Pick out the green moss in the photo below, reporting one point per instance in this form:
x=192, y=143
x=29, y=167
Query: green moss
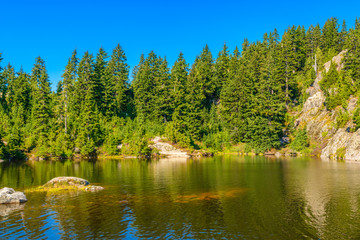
x=340, y=153
x=324, y=134
x=58, y=189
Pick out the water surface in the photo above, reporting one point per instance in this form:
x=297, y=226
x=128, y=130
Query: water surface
x=226, y=197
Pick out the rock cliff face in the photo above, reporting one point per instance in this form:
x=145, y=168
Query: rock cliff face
x=321, y=123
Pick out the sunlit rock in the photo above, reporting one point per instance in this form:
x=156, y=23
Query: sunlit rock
x=69, y=184
x=9, y=195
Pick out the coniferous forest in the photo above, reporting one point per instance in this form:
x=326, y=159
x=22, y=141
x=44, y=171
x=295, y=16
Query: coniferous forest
x=242, y=96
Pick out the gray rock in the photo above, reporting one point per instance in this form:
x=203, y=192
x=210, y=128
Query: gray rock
x=167, y=149
x=9, y=195
x=314, y=103
x=353, y=147
x=352, y=104
x=320, y=125
x=338, y=141
x=63, y=181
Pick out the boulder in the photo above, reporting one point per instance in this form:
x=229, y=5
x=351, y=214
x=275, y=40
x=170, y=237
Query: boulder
x=70, y=183
x=9, y=195
x=66, y=181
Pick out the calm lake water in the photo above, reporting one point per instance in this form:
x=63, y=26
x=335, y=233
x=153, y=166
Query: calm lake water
x=226, y=197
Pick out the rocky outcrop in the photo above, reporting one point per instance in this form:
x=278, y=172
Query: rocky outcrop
x=9, y=195
x=352, y=152
x=321, y=124
x=70, y=183
x=167, y=149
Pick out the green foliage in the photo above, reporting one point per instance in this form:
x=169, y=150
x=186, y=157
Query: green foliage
x=239, y=97
x=342, y=118
x=337, y=87
x=340, y=153
x=3, y=149
x=217, y=141
x=301, y=141
x=356, y=118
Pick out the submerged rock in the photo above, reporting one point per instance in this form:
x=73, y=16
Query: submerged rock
x=9, y=195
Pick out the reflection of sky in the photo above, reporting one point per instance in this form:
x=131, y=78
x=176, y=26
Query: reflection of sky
x=52, y=228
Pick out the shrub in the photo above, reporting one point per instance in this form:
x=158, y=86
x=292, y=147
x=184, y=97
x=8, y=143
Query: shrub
x=342, y=118
x=301, y=141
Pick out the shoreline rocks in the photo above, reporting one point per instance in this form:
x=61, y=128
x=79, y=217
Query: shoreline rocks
x=167, y=149
x=9, y=195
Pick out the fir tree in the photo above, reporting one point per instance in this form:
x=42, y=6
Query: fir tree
x=67, y=94
x=100, y=66
x=221, y=74
x=41, y=112
x=116, y=79
x=330, y=35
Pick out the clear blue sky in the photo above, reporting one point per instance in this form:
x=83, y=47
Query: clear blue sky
x=52, y=29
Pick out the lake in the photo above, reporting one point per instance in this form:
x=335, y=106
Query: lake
x=224, y=197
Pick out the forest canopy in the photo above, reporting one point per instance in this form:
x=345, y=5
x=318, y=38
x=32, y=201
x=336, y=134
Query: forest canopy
x=243, y=96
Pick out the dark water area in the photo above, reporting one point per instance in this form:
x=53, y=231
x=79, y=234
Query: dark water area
x=225, y=197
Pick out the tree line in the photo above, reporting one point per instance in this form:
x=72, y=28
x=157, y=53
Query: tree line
x=243, y=96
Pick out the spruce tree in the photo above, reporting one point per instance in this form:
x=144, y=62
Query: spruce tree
x=145, y=88
x=8, y=77
x=221, y=73
x=115, y=81
x=233, y=99
x=202, y=77
x=67, y=94
x=163, y=88
x=100, y=66
x=179, y=74
x=41, y=112
x=330, y=35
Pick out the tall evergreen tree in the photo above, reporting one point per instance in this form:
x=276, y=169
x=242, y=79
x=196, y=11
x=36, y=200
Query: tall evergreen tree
x=163, y=87
x=145, y=87
x=179, y=74
x=202, y=77
x=41, y=112
x=221, y=74
x=68, y=93
x=115, y=80
x=100, y=66
x=330, y=35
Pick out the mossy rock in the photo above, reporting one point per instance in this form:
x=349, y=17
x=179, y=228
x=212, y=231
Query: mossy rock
x=67, y=184
x=66, y=181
